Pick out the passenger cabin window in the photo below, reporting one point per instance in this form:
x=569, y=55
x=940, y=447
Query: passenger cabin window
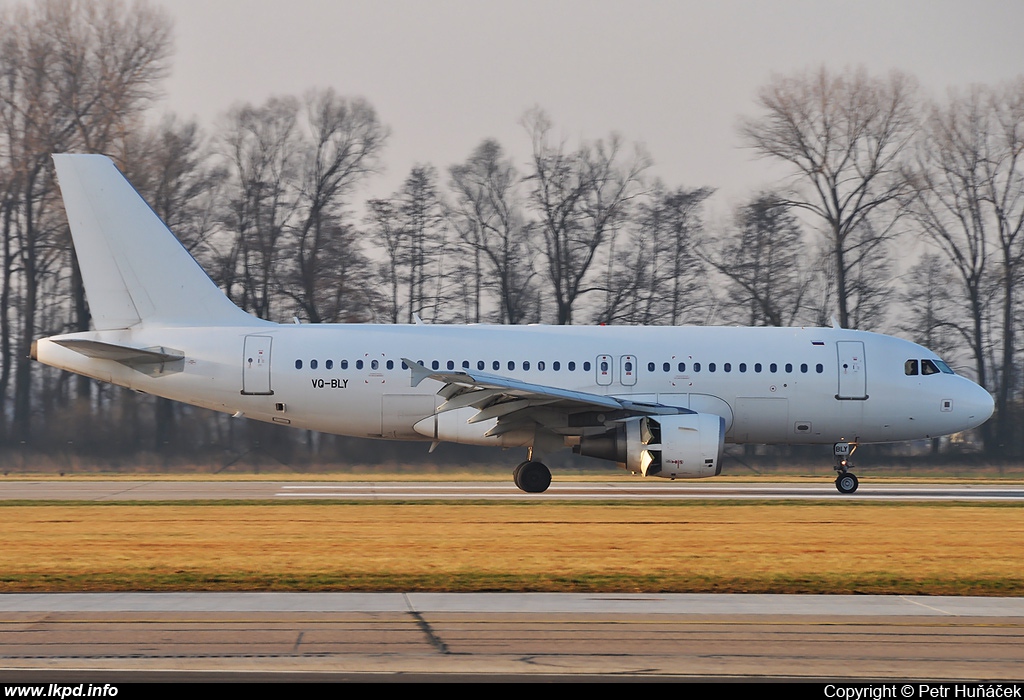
x=312, y=364
x=910, y=368
x=329, y=364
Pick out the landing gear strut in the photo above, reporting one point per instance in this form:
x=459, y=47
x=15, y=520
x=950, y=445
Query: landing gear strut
x=532, y=477
x=847, y=481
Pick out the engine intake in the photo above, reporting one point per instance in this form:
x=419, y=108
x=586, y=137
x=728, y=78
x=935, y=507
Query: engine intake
x=686, y=446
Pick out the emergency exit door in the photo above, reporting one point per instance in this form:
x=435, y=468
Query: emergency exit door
x=852, y=370
x=256, y=365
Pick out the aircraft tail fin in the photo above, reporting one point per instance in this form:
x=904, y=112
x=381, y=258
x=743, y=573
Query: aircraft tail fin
x=133, y=267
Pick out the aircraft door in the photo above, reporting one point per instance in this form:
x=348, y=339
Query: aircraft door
x=852, y=370
x=256, y=365
x=627, y=370
x=603, y=367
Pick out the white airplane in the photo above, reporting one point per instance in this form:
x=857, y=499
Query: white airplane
x=659, y=401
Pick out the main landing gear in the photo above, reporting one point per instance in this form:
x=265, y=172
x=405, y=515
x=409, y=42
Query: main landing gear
x=532, y=477
x=847, y=481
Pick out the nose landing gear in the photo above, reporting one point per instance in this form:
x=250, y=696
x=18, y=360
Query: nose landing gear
x=846, y=481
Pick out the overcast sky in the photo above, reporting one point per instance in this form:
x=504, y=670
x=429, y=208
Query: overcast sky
x=672, y=74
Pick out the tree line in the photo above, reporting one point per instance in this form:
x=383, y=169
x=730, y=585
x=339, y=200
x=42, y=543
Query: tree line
x=900, y=214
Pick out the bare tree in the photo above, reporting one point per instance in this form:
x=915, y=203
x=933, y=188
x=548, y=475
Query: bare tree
x=172, y=166
x=262, y=146
x=487, y=215
x=411, y=228
x=74, y=75
x=762, y=258
x=675, y=225
x=386, y=227
x=581, y=198
x=931, y=304
x=970, y=205
x=344, y=142
x=654, y=275
x=845, y=137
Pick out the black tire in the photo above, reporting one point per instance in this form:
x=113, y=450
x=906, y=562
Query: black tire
x=516, y=472
x=847, y=483
x=534, y=477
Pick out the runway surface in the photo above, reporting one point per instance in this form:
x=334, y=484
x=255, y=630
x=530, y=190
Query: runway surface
x=510, y=636
x=292, y=637
x=463, y=490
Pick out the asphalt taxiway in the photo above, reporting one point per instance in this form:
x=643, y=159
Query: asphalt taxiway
x=514, y=636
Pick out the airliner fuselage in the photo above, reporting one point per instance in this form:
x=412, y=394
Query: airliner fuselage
x=771, y=385
x=659, y=401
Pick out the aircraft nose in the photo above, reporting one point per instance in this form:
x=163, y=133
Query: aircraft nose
x=978, y=405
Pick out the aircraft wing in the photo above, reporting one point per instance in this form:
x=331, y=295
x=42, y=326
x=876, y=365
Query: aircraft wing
x=515, y=403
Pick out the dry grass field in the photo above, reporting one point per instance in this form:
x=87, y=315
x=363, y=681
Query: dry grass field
x=960, y=549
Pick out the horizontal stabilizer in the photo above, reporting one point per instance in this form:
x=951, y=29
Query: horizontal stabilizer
x=125, y=354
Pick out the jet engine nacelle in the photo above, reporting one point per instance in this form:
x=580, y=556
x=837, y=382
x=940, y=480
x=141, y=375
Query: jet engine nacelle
x=686, y=446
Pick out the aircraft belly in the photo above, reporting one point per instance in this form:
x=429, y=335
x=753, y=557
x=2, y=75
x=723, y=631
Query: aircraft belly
x=761, y=420
x=401, y=412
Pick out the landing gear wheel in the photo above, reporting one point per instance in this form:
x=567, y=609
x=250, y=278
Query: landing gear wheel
x=847, y=482
x=532, y=477
x=516, y=472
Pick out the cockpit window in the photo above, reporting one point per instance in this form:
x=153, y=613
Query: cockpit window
x=943, y=367
x=928, y=367
x=910, y=368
